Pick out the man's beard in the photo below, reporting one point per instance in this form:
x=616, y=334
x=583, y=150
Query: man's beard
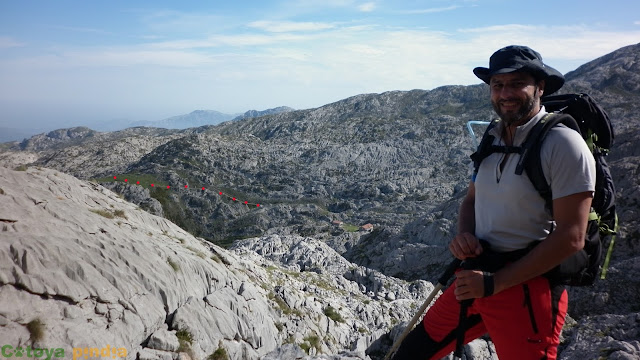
x=515, y=117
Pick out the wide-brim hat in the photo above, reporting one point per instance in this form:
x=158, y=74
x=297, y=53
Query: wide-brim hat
x=521, y=58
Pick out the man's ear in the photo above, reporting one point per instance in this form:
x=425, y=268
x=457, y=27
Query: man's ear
x=541, y=85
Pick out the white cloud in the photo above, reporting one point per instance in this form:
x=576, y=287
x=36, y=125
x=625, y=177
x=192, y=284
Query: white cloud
x=430, y=10
x=238, y=40
x=367, y=7
x=8, y=42
x=509, y=28
x=82, y=30
x=290, y=26
x=299, y=64
x=567, y=43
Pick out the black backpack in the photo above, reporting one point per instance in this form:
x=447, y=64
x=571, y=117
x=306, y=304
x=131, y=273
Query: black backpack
x=580, y=113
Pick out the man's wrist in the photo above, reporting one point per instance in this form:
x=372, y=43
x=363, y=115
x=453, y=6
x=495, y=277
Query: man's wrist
x=489, y=283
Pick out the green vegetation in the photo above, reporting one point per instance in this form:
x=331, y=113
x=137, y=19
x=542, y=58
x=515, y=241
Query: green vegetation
x=197, y=252
x=175, y=210
x=219, y=354
x=21, y=168
x=186, y=340
x=1, y=191
x=109, y=214
x=184, y=335
x=286, y=309
x=36, y=330
x=311, y=341
x=119, y=213
x=333, y=314
x=105, y=213
x=350, y=228
x=283, y=306
x=145, y=180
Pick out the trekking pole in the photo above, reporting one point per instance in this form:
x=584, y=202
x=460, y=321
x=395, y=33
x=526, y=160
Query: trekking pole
x=442, y=282
x=462, y=327
x=462, y=320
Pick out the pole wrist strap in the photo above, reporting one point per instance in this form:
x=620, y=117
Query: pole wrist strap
x=488, y=283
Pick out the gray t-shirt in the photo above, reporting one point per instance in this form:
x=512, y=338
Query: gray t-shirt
x=509, y=211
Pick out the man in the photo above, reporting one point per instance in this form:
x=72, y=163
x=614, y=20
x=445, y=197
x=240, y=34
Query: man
x=522, y=311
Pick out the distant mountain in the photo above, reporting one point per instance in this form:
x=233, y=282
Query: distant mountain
x=193, y=119
x=255, y=113
x=206, y=117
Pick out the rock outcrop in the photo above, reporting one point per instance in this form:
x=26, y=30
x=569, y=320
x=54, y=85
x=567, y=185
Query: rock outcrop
x=82, y=268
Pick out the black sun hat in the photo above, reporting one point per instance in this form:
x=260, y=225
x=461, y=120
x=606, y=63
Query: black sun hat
x=521, y=58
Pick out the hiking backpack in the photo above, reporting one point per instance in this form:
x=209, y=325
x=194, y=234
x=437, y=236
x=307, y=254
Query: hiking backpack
x=582, y=114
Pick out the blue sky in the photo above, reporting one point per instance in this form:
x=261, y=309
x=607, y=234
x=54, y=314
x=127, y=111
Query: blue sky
x=67, y=63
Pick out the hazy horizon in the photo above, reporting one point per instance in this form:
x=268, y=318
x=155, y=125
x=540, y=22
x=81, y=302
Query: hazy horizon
x=77, y=63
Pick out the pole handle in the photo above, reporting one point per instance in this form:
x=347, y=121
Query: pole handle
x=448, y=273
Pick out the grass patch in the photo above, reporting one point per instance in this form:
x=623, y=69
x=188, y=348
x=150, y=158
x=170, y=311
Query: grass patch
x=145, y=180
x=197, y=252
x=21, y=168
x=286, y=309
x=109, y=214
x=311, y=341
x=1, y=191
x=36, y=330
x=104, y=213
x=350, y=228
x=186, y=340
x=184, y=335
x=333, y=314
x=174, y=265
x=219, y=354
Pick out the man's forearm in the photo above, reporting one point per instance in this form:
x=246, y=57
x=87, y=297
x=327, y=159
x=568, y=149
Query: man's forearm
x=541, y=259
x=571, y=214
x=466, y=213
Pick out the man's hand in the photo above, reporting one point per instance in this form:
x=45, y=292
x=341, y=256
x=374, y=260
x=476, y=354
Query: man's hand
x=464, y=246
x=469, y=285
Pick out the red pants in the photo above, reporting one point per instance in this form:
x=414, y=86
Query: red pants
x=524, y=322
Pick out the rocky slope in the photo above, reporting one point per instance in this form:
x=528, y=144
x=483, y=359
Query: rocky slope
x=80, y=267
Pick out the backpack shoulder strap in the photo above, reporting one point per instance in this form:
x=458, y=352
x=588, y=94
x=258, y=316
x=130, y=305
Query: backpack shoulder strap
x=485, y=147
x=530, y=159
